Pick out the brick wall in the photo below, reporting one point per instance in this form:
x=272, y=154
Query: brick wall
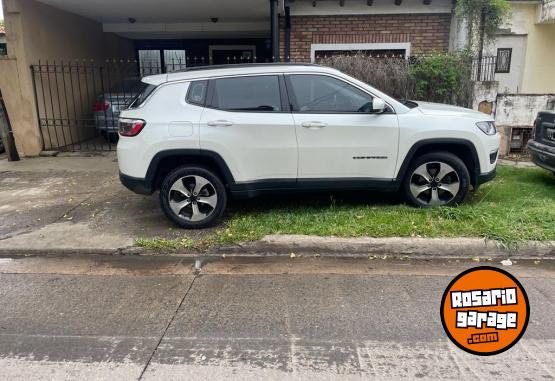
x=425, y=32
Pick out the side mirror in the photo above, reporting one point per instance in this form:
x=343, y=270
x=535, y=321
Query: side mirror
x=378, y=105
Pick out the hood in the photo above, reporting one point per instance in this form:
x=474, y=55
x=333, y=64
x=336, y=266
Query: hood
x=428, y=108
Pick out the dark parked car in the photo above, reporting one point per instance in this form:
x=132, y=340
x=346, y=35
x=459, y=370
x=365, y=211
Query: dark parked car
x=542, y=144
x=108, y=105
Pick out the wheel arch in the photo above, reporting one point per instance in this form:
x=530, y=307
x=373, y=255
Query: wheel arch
x=462, y=148
x=165, y=161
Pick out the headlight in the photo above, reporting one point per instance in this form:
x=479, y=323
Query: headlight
x=487, y=127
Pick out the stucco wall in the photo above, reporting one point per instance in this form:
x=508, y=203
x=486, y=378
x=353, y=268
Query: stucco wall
x=510, y=82
x=519, y=110
x=37, y=31
x=539, y=70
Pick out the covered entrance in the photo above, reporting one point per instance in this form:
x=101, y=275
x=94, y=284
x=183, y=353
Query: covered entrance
x=79, y=95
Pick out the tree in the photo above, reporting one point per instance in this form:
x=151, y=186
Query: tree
x=484, y=18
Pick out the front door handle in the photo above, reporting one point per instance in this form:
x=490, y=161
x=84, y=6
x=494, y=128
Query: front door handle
x=219, y=123
x=313, y=125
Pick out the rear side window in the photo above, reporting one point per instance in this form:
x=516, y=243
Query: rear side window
x=145, y=91
x=256, y=94
x=197, y=92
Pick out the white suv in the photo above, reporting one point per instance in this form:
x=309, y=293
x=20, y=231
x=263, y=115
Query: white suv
x=203, y=134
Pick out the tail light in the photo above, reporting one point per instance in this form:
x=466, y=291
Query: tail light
x=131, y=127
x=101, y=106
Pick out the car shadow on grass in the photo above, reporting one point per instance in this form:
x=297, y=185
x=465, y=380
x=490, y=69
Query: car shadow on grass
x=314, y=200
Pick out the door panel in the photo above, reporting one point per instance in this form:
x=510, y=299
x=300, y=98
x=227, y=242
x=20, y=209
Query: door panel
x=256, y=144
x=337, y=133
x=362, y=146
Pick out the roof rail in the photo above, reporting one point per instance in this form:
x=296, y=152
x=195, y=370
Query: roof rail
x=236, y=66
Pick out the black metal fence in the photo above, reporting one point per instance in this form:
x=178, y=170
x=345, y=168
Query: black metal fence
x=70, y=102
x=78, y=102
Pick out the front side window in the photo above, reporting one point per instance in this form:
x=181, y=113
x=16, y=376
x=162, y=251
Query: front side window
x=323, y=94
x=258, y=94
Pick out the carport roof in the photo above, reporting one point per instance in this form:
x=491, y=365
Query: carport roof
x=174, y=18
x=166, y=11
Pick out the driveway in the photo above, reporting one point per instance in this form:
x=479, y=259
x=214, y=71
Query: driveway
x=75, y=202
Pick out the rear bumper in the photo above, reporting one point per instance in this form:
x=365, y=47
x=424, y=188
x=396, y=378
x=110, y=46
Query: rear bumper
x=485, y=177
x=542, y=155
x=140, y=186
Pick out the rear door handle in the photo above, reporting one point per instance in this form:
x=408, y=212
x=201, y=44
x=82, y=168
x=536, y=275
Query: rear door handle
x=219, y=123
x=313, y=125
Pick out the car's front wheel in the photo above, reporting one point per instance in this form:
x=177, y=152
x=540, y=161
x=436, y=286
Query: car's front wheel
x=193, y=197
x=436, y=179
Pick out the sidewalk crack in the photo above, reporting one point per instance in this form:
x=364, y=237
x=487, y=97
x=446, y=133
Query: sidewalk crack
x=166, y=329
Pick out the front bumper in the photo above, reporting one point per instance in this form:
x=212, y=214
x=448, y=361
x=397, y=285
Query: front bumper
x=485, y=177
x=542, y=155
x=140, y=186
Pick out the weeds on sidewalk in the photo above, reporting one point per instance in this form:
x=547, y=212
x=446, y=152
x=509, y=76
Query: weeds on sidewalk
x=158, y=243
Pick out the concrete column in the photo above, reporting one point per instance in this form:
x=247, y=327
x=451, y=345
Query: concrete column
x=16, y=85
x=274, y=22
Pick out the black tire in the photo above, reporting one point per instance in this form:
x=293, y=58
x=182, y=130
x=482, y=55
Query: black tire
x=187, y=172
x=434, y=160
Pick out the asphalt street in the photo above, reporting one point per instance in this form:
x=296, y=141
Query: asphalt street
x=152, y=318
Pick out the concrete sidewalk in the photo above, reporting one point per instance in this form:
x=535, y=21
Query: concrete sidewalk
x=76, y=204
x=73, y=202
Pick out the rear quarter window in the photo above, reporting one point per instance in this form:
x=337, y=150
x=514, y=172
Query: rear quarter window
x=197, y=93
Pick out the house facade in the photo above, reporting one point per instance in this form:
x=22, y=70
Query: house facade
x=59, y=50
x=525, y=49
x=523, y=80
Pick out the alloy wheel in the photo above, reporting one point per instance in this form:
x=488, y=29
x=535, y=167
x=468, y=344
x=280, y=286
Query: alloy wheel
x=193, y=198
x=434, y=183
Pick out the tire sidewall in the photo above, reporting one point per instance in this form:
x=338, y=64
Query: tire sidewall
x=443, y=157
x=180, y=172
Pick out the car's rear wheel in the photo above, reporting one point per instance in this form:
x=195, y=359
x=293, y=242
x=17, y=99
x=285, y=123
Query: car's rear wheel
x=436, y=179
x=193, y=197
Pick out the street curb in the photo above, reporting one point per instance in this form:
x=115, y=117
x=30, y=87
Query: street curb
x=400, y=247
x=299, y=245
